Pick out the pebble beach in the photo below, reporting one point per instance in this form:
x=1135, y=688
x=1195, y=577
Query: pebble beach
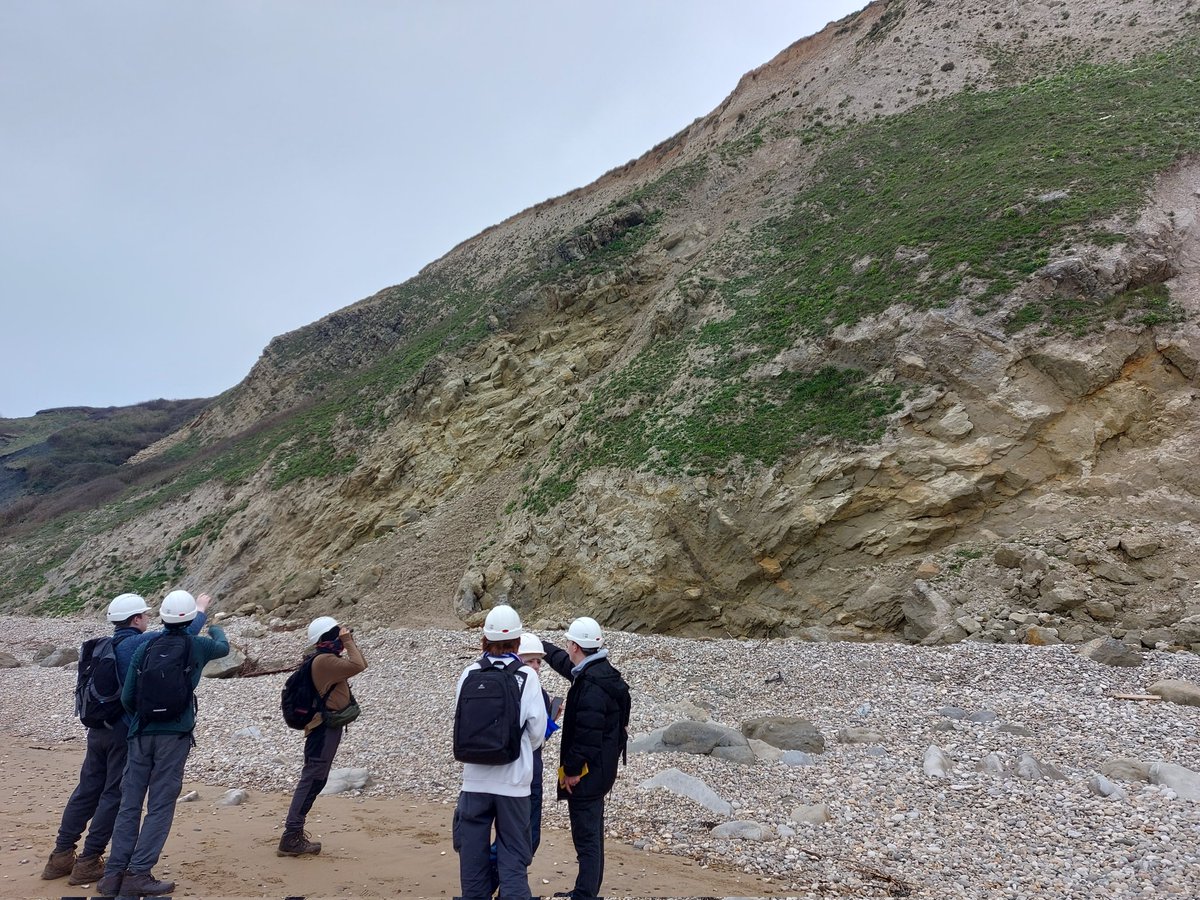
x=967, y=770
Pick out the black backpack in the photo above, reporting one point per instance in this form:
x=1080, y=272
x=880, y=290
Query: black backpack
x=164, y=685
x=487, y=719
x=98, y=684
x=300, y=699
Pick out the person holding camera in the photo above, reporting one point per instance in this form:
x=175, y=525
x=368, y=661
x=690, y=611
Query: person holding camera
x=331, y=674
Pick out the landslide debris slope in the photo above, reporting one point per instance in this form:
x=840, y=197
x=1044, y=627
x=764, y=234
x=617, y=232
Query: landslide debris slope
x=901, y=340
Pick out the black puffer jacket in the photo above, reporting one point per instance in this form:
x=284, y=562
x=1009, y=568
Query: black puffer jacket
x=595, y=723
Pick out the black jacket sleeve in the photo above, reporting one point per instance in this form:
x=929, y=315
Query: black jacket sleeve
x=558, y=659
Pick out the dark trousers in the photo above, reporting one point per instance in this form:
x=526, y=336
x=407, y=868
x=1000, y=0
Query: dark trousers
x=320, y=747
x=535, y=819
x=154, y=774
x=587, y=833
x=535, y=813
x=472, y=837
x=97, y=797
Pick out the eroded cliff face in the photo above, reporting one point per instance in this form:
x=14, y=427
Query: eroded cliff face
x=1001, y=442
x=1027, y=480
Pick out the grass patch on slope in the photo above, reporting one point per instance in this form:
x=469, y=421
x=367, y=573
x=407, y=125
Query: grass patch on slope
x=944, y=202
x=963, y=197
x=1148, y=305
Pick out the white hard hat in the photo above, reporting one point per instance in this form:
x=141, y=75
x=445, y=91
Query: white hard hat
x=531, y=645
x=319, y=626
x=125, y=606
x=502, y=624
x=177, y=607
x=585, y=631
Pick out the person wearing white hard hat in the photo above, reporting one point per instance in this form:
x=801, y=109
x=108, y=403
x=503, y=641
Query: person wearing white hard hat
x=496, y=793
x=159, y=695
x=331, y=673
x=595, y=730
x=532, y=653
x=97, y=796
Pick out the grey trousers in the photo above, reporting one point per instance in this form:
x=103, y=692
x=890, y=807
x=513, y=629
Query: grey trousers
x=472, y=837
x=98, y=795
x=154, y=774
x=320, y=747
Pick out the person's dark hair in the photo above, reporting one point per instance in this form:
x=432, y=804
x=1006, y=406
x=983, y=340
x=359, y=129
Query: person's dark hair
x=587, y=651
x=331, y=634
x=128, y=623
x=177, y=626
x=499, y=648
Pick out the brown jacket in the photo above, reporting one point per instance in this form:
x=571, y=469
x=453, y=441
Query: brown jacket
x=328, y=670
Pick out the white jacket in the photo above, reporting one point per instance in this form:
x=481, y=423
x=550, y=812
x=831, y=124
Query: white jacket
x=512, y=779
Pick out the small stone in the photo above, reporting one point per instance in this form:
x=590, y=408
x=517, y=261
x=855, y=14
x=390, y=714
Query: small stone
x=233, y=797
x=936, y=763
x=817, y=814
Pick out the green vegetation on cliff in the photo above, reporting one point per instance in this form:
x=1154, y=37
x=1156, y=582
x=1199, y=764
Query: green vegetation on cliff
x=960, y=199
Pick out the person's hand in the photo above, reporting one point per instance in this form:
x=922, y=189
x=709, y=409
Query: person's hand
x=202, y=602
x=344, y=632
x=569, y=781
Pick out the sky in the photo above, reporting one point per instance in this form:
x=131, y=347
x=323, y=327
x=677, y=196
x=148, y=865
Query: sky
x=182, y=181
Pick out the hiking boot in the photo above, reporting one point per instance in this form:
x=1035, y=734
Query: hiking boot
x=59, y=864
x=144, y=884
x=110, y=884
x=87, y=869
x=296, y=843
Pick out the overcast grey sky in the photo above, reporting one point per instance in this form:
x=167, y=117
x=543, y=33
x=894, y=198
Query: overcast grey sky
x=181, y=181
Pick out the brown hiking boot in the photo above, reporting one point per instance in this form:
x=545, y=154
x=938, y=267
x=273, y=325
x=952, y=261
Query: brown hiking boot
x=87, y=869
x=144, y=884
x=60, y=863
x=296, y=843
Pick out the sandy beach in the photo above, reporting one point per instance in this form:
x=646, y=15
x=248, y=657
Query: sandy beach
x=373, y=847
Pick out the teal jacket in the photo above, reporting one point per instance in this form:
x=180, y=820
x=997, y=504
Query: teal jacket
x=204, y=649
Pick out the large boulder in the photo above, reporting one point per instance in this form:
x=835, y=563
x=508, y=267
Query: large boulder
x=8, y=661
x=1110, y=652
x=786, y=733
x=1184, y=782
x=880, y=605
x=742, y=830
x=1126, y=769
x=926, y=611
x=700, y=737
x=60, y=657
x=1187, y=631
x=1176, y=690
x=686, y=786
x=936, y=763
x=227, y=666
x=341, y=780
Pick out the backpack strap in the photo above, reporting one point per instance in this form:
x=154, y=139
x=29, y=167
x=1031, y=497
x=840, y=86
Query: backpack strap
x=116, y=642
x=513, y=666
x=321, y=698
